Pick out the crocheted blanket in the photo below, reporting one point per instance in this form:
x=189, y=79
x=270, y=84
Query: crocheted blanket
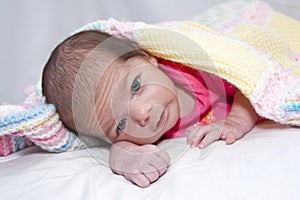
x=247, y=43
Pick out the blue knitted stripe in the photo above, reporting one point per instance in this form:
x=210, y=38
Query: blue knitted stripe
x=16, y=119
x=19, y=143
x=292, y=106
x=66, y=146
x=97, y=25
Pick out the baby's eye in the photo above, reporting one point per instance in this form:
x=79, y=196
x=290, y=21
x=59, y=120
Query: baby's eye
x=121, y=125
x=136, y=86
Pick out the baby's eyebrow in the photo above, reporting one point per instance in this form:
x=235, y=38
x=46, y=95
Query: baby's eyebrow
x=126, y=84
x=124, y=80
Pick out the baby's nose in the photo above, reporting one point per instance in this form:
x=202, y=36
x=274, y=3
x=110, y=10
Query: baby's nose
x=140, y=112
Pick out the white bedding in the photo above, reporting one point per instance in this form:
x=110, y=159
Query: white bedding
x=263, y=165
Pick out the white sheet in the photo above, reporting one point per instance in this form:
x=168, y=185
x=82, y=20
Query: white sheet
x=263, y=165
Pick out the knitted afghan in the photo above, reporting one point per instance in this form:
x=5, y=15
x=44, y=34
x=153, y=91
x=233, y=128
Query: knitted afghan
x=34, y=122
x=247, y=43
x=259, y=56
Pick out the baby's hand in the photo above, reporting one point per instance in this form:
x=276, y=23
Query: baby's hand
x=140, y=164
x=229, y=130
x=239, y=121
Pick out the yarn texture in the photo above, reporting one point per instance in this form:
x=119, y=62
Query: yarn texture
x=247, y=43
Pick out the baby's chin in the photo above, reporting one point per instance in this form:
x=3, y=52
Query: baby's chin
x=139, y=141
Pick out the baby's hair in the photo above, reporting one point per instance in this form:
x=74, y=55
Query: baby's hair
x=64, y=63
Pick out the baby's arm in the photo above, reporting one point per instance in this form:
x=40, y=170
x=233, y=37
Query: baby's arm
x=140, y=164
x=240, y=120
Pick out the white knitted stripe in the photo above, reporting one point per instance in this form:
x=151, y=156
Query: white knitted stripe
x=10, y=109
x=278, y=91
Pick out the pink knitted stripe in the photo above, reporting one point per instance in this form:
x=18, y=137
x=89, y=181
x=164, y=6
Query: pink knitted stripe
x=18, y=133
x=6, y=147
x=54, y=139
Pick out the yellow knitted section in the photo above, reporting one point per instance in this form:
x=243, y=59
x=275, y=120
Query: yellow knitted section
x=196, y=46
x=289, y=29
x=192, y=26
x=267, y=41
x=286, y=26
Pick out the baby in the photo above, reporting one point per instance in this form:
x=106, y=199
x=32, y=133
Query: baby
x=109, y=88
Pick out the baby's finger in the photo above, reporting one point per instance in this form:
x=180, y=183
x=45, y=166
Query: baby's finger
x=138, y=179
x=164, y=158
x=198, y=136
x=209, y=138
x=189, y=138
x=160, y=165
x=191, y=134
x=162, y=170
x=230, y=138
x=196, y=140
x=150, y=173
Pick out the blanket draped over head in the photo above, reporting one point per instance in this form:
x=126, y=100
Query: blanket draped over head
x=247, y=43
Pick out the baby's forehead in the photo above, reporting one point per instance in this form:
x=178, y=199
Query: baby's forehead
x=113, y=74
x=108, y=83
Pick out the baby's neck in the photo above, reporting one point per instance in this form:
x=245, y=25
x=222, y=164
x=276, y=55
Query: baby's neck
x=186, y=100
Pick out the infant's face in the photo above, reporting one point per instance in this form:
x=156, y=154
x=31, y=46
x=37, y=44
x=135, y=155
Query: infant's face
x=140, y=102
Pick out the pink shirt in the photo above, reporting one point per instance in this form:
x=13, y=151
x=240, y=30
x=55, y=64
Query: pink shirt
x=214, y=96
